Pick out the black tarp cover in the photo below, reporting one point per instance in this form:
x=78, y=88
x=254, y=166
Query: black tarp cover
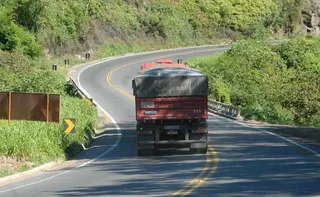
x=170, y=81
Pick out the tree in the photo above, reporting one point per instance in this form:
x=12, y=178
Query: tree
x=14, y=37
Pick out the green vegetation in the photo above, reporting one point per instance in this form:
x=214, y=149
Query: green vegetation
x=15, y=166
x=278, y=84
x=34, y=34
x=67, y=27
x=39, y=142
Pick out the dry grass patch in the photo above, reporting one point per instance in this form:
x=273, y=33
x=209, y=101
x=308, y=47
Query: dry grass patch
x=12, y=165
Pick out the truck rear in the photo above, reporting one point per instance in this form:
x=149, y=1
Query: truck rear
x=171, y=109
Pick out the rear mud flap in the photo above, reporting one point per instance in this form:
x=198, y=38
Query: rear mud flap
x=202, y=137
x=145, y=138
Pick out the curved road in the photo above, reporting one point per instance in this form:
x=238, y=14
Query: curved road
x=242, y=161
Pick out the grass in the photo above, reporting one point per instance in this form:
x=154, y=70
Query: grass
x=13, y=168
x=261, y=81
x=5, y=172
x=40, y=142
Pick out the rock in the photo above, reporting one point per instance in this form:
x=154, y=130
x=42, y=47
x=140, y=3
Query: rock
x=311, y=18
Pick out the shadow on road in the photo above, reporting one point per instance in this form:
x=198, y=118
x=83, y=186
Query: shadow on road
x=251, y=163
x=128, y=174
x=254, y=163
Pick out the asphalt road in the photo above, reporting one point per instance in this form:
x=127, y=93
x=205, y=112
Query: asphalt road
x=242, y=161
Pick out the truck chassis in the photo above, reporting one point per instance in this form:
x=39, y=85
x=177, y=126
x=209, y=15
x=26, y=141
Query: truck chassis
x=155, y=135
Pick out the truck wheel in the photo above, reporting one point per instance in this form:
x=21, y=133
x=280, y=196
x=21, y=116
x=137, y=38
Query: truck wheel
x=203, y=150
x=142, y=153
x=199, y=150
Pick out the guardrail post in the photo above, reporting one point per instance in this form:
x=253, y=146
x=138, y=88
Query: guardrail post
x=88, y=56
x=238, y=112
x=54, y=67
x=66, y=62
x=224, y=109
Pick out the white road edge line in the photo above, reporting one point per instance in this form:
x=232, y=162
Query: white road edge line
x=104, y=111
x=271, y=133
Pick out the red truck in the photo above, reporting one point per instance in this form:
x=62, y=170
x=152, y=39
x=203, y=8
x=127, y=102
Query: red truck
x=164, y=62
x=171, y=107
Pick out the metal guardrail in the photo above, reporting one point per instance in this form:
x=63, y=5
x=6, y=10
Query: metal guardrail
x=224, y=109
x=76, y=90
x=213, y=106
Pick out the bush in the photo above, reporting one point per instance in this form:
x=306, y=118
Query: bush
x=294, y=51
x=14, y=37
x=254, y=111
x=280, y=114
x=21, y=74
x=34, y=141
x=264, y=81
x=272, y=114
x=257, y=32
x=220, y=91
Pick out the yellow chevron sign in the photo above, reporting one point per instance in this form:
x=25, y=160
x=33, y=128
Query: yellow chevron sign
x=69, y=125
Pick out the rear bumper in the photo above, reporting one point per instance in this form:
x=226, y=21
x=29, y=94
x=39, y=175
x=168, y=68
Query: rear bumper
x=171, y=142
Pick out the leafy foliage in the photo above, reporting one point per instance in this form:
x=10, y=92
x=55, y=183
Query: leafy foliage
x=28, y=24
x=276, y=84
x=14, y=37
x=40, y=142
x=21, y=74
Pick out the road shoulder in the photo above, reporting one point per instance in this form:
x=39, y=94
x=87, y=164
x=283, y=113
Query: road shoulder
x=103, y=122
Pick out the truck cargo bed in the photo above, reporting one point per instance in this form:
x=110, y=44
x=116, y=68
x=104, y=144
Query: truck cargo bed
x=171, y=108
x=172, y=81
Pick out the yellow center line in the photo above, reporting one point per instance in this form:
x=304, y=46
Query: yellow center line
x=114, y=86
x=198, y=179
x=109, y=76
x=213, y=170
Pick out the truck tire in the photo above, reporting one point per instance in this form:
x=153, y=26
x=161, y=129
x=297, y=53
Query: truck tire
x=142, y=153
x=199, y=150
x=203, y=150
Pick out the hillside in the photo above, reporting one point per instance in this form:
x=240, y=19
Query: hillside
x=36, y=27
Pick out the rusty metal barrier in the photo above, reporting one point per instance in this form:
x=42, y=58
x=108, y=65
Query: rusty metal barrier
x=54, y=107
x=30, y=106
x=4, y=105
x=223, y=109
